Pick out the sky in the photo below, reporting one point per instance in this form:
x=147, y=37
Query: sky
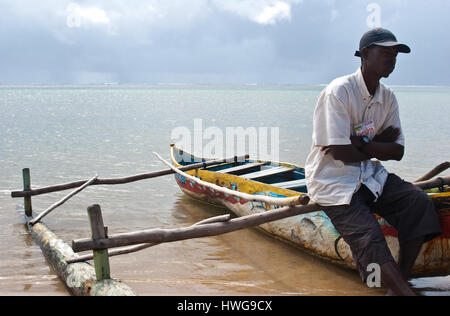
x=214, y=41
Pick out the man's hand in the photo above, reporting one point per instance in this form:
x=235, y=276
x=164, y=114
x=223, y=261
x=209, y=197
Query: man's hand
x=389, y=135
x=325, y=149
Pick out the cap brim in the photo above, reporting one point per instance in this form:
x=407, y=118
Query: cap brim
x=402, y=48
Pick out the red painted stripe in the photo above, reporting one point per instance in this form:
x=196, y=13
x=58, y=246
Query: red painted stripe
x=389, y=231
x=444, y=220
x=196, y=188
x=445, y=225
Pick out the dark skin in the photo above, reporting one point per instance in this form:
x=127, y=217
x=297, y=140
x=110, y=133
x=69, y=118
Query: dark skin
x=377, y=63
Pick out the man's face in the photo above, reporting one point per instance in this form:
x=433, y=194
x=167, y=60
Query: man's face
x=381, y=60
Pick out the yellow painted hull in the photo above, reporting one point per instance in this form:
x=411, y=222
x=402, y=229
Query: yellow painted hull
x=313, y=233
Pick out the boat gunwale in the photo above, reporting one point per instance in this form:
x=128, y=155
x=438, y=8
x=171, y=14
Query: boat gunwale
x=228, y=177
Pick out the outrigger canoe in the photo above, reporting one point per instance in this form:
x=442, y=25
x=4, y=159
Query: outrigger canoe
x=313, y=233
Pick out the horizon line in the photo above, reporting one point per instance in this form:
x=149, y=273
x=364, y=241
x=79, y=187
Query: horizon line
x=174, y=84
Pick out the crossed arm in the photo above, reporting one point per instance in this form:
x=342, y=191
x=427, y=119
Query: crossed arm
x=383, y=147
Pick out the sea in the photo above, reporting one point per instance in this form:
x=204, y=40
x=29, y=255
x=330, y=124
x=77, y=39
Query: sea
x=68, y=133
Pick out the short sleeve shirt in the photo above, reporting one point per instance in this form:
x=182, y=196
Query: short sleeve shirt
x=345, y=108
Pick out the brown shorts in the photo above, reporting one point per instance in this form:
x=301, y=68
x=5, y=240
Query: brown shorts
x=407, y=208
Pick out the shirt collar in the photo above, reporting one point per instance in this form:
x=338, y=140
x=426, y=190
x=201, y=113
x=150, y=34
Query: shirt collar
x=363, y=88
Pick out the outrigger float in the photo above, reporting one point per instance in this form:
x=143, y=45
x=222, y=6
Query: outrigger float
x=312, y=232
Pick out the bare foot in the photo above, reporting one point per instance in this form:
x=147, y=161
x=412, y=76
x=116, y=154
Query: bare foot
x=390, y=293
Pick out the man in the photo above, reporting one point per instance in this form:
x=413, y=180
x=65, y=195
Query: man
x=356, y=120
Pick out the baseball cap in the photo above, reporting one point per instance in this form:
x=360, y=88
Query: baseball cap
x=381, y=37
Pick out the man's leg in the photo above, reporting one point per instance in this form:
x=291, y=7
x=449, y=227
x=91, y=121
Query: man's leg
x=412, y=213
x=392, y=277
x=408, y=255
x=361, y=231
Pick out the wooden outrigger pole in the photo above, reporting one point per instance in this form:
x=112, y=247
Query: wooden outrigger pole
x=207, y=230
x=28, y=192
x=82, y=279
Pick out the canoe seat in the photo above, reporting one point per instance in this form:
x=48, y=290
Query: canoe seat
x=290, y=184
x=266, y=173
x=242, y=167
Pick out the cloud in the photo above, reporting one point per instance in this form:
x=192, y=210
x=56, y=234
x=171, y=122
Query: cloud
x=78, y=15
x=119, y=17
x=174, y=13
x=214, y=41
x=259, y=11
x=271, y=14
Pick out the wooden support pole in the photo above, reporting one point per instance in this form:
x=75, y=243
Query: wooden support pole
x=139, y=177
x=433, y=183
x=61, y=202
x=27, y=187
x=133, y=249
x=206, y=230
x=101, y=260
x=434, y=172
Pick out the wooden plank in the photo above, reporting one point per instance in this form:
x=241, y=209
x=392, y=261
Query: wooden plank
x=290, y=184
x=139, y=177
x=207, y=230
x=242, y=167
x=266, y=173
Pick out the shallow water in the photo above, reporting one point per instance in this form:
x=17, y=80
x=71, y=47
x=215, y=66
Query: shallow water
x=71, y=133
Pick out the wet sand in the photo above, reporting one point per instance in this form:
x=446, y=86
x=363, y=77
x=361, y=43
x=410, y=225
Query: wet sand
x=247, y=262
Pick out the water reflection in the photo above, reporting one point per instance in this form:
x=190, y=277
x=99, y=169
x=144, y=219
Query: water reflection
x=246, y=262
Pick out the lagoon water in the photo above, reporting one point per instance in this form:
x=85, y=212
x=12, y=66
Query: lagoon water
x=68, y=133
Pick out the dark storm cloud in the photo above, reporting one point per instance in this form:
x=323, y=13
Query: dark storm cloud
x=216, y=41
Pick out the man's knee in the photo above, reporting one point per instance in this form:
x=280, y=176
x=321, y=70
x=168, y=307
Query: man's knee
x=422, y=202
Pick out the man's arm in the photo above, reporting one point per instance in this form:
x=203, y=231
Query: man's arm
x=385, y=151
x=346, y=153
x=383, y=148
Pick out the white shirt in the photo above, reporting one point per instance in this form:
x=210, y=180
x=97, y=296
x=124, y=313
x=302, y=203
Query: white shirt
x=343, y=106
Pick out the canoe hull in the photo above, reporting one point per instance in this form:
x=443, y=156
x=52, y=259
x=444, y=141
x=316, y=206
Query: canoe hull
x=314, y=232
